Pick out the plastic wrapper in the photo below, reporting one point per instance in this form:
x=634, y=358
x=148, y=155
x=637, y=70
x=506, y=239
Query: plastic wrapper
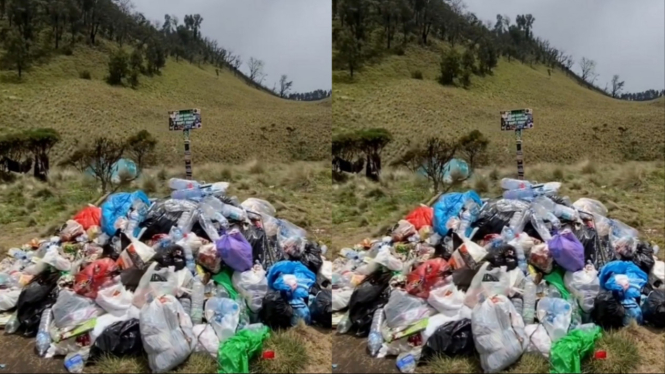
x=209, y=258
x=426, y=276
x=541, y=257
x=403, y=231
x=95, y=276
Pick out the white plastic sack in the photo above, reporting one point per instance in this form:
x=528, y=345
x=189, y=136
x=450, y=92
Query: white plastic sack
x=538, y=340
x=259, y=206
x=584, y=285
x=206, y=339
x=146, y=286
x=71, y=309
x=115, y=299
x=53, y=258
x=341, y=298
x=395, y=348
x=403, y=309
x=385, y=258
x=166, y=332
x=478, y=287
x=325, y=272
x=137, y=254
x=498, y=333
x=447, y=299
x=8, y=299
x=468, y=255
x=183, y=281
x=252, y=285
x=658, y=272
x=223, y=315
x=555, y=315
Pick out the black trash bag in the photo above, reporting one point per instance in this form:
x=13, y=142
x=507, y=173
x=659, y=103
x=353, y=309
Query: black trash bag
x=173, y=255
x=506, y=255
x=565, y=201
x=462, y=278
x=121, y=339
x=257, y=239
x=607, y=310
x=276, y=312
x=159, y=220
x=321, y=309
x=653, y=309
x=370, y=295
x=311, y=257
x=38, y=295
x=452, y=339
x=643, y=257
x=131, y=277
x=491, y=220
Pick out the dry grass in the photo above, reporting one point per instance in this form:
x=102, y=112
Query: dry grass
x=239, y=122
x=571, y=122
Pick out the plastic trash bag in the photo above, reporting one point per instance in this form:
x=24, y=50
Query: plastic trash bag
x=371, y=294
x=166, y=333
x=567, y=251
x=311, y=257
x=292, y=277
x=653, y=309
x=95, y=276
x=468, y=255
x=252, y=285
x=487, y=282
x=121, y=339
x=300, y=312
x=89, y=216
x=38, y=295
x=498, y=333
x=447, y=299
x=403, y=231
x=155, y=283
x=115, y=299
x=426, y=276
x=385, y=258
x=53, y=258
x=538, y=341
x=137, y=254
x=608, y=312
x=644, y=257
x=256, y=237
x=71, y=309
x=555, y=315
x=206, y=339
x=235, y=251
x=173, y=255
x=340, y=298
x=118, y=205
x=452, y=339
x=420, y=217
x=584, y=285
x=450, y=205
x=403, y=309
x=209, y=258
x=657, y=274
x=223, y=315
x=624, y=278
x=568, y=352
x=71, y=231
x=235, y=353
x=506, y=255
x=321, y=309
x=9, y=298
x=497, y=214
x=590, y=206
x=259, y=206
x=276, y=311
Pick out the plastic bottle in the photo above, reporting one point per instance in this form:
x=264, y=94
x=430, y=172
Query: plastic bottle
x=244, y=317
x=517, y=221
x=513, y=184
x=375, y=339
x=565, y=212
x=135, y=217
x=529, y=301
x=519, y=194
x=521, y=257
x=12, y=325
x=234, y=213
x=344, y=324
x=186, y=305
x=468, y=216
x=197, y=301
x=187, y=194
x=518, y=303
x=406, y=362
x=181, y=184
x=75, y=361
x=43, y=340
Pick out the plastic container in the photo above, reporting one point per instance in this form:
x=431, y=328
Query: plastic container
x=513, y=184
x=186, y=305
x=181, y=184
x=268, y=354
x=43, y=340
x=518, y=303
x=375, y=339
x=187, y=194
x=519, y=194
x=600, y=355
x=12, y=325
x=529, y=309
x=197, y=301
x=344, y=325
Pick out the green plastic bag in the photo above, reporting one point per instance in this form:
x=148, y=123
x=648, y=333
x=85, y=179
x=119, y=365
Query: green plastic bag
x=567, y=353
x=234, y=354
x=224, y=278
x=555, y=278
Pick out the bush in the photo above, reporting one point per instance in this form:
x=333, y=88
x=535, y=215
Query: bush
x=417, y=75
x=450, y=68
x=85, y=74
x=118, y=68
x=67, y=50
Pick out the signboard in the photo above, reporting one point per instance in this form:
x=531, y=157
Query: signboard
x=188, y=119
x=520, y=119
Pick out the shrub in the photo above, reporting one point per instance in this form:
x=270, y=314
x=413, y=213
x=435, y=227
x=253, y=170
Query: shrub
x=85, y=74
x=417, y=75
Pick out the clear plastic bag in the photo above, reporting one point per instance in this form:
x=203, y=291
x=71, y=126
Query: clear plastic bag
x=584, y=285
x=71, y=309
x=147, y=288
x=206, y=339
x=403, y=309
x=538, y=340
x=447, y=300
x=259, y=206
x=252, y=285
x=223, y=315
x=590, y=206
x=115, y=299
x=555, y=315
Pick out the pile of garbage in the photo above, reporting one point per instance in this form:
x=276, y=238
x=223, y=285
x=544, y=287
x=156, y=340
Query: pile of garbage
x=530, y=272
x=196, y=272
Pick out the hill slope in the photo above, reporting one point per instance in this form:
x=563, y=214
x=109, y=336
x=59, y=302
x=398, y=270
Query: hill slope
x=239, y=122
x=571, y=122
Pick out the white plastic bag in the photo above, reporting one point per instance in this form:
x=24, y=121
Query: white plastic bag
x=479, y=288
x=584, y=285
x=252, y=285
x=498, y=333
x=341, y=298
x=166, y=332
x=71, y=309
x=115, y=299
x=53, y=258
x=8, y=299
x=137, y=254
x=146, y=286
x=447, y=299
x=325, y=273
x=183, y=281
x=223, y=315
x=206, y=339
x=468, y=255
x=657, y=272
x=538, y=340
x=385, y=258
x=259, y=206
x=403, y=309
x=555, y=315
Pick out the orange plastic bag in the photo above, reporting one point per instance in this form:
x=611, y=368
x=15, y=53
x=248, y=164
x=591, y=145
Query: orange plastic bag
x=89, y=216
x=421, y=216
x=428, y=275
x=94, y=276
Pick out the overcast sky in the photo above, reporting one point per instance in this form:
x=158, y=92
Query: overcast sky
x=625, y=37
x=292, y=37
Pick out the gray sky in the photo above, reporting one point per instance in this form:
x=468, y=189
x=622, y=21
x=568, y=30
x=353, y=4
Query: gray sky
x=625, y=37
x=292, y=37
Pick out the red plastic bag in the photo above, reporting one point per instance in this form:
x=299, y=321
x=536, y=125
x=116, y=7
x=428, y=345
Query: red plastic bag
x=421, y=216
x=89, y=216
x=428, y=275
x=94, y=276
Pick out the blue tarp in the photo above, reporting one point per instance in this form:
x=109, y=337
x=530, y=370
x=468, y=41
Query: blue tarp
x=118, y=205
x=450, y=205
x=454, y=165
x=304, y=277
x=611, y=274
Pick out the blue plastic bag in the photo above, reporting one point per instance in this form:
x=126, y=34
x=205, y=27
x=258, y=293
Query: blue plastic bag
x=292, y=277
x=450, y=205
x=118, y=205
x=300, y=312
x=624, y=278
x=567, y=251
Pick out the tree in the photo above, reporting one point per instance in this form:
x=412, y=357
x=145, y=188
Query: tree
x=617, y=85
x=256, y=70
x=118, y=67
x=16, y=52
x=141, y=147
x=528, y=25
x=135, y=67
x=284, y=86
x=348, y=54
x=98, y=158
x=155, y=56
x=372, y=142
x=40, y=142
x=450, y=67
x=487, y=57
x=431, y=159
x=469, y=60
x=473, y=146
x=588, y=67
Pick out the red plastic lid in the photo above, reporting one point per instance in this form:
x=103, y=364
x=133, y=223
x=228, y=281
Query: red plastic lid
x=268, y=355
x=600, y=355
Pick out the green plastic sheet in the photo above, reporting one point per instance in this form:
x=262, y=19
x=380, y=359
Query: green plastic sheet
x=567, y=353
x=555, y=278
x=234, y=354
x=224, y=278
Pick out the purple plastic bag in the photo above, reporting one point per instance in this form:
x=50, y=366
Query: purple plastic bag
x=567, y=251
x=235, y=250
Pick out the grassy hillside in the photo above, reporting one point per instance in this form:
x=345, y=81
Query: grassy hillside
x=571, y=122
x=239, y=122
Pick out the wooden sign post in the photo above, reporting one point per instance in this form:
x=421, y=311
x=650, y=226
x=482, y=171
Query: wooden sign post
x=517, y=120
x=185, y=121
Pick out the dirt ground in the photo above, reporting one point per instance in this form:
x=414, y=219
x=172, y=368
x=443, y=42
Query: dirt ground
x=19, y=356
